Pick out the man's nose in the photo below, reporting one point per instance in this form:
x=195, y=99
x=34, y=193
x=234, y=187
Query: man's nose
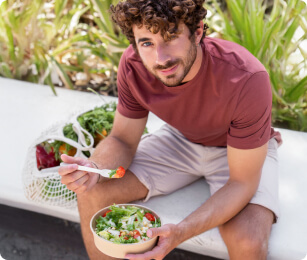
x=162, y=55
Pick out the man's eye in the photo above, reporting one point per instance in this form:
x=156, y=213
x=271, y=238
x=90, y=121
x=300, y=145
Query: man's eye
x=147, y=44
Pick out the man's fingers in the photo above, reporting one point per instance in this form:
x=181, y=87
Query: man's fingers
x=154, y=232
x=74, y=179
x=69, y=159
x=72, y=164
x=164, y=246
x=78, y=184
x=63, y=170
x=72, y=176
x=83, y=187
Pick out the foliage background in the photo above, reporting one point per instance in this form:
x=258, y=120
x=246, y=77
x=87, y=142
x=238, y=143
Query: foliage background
x=69, y=42
x=274, y=32
x=74, y=44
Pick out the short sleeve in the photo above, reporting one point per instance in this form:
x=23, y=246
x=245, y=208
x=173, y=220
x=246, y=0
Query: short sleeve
x=251, y=122
x=127, y=104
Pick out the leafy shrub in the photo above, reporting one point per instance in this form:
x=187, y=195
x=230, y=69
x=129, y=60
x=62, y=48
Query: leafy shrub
x=274, y=32
x=44, y=41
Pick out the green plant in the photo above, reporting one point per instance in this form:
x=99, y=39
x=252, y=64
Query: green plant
x=273, y=33
x=34, y=35
x=69, y=39
x=18, y=38
x=106, y=40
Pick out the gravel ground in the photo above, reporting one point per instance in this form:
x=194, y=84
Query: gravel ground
x=26, y=235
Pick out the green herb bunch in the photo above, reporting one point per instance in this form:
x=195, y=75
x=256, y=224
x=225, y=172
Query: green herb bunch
x=98, y=119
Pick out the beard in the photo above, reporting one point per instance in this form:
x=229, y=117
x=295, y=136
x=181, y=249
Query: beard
x=186, y=63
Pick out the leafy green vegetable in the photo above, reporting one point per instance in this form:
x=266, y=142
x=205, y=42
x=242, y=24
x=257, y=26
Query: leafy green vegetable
x=156, y=223
x=112, y=173
x=140, y=214
x=102, y=223
x=130, y=227
x=98, y=119
x=117, y=213
x=121, y=240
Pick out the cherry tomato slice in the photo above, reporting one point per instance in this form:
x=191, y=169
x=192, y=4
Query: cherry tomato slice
x=105, y=214
x=136, y=233
x=149, y=216
x=120, y=172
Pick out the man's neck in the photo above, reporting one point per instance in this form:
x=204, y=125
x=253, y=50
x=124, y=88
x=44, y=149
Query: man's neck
x=196, y=66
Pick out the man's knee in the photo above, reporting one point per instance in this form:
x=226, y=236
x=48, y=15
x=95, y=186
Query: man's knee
x=248, y=232
x=251, y=243
x=245, y=242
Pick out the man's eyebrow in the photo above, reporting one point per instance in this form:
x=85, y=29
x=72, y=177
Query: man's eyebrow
x=143, y=40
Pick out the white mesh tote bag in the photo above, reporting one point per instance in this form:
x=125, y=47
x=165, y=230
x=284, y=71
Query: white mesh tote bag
x=41, y=181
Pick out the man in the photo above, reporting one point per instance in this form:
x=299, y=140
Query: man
x=216, y=100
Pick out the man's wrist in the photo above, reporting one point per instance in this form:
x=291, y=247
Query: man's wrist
x=95, y=166
x=182, y=232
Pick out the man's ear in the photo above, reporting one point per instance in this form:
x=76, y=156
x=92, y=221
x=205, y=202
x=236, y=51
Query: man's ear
x=199, y=32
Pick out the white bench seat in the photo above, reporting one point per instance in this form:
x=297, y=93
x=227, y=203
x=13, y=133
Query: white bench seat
x=26, y=110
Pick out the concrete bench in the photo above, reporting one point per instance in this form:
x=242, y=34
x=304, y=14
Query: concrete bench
x=28, y=109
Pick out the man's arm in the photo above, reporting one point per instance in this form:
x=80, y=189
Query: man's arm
x=245, y=171
x=120, y=146
x=115, y=150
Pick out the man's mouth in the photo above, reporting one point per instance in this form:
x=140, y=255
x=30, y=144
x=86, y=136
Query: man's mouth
x=169, y=71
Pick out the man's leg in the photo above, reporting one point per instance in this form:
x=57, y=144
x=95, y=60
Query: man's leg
x=247, y=234
x=123, y=190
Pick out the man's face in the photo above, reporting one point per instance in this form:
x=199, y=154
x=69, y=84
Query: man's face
x=173, y=62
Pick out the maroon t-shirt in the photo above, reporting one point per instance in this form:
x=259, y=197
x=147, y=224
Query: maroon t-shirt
x=228, y=102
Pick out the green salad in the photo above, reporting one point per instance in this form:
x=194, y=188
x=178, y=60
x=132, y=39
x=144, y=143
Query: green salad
x=126, y=224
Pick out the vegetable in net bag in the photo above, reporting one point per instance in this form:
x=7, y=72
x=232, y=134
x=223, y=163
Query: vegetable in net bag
x=76, y=137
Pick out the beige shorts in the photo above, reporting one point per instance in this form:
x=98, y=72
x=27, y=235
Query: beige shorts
x=166, y=161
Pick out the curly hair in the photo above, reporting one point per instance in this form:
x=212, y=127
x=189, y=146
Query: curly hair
x=162, y=16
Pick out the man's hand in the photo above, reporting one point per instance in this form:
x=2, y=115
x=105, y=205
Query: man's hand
x=77, y=181
x=168, y=240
